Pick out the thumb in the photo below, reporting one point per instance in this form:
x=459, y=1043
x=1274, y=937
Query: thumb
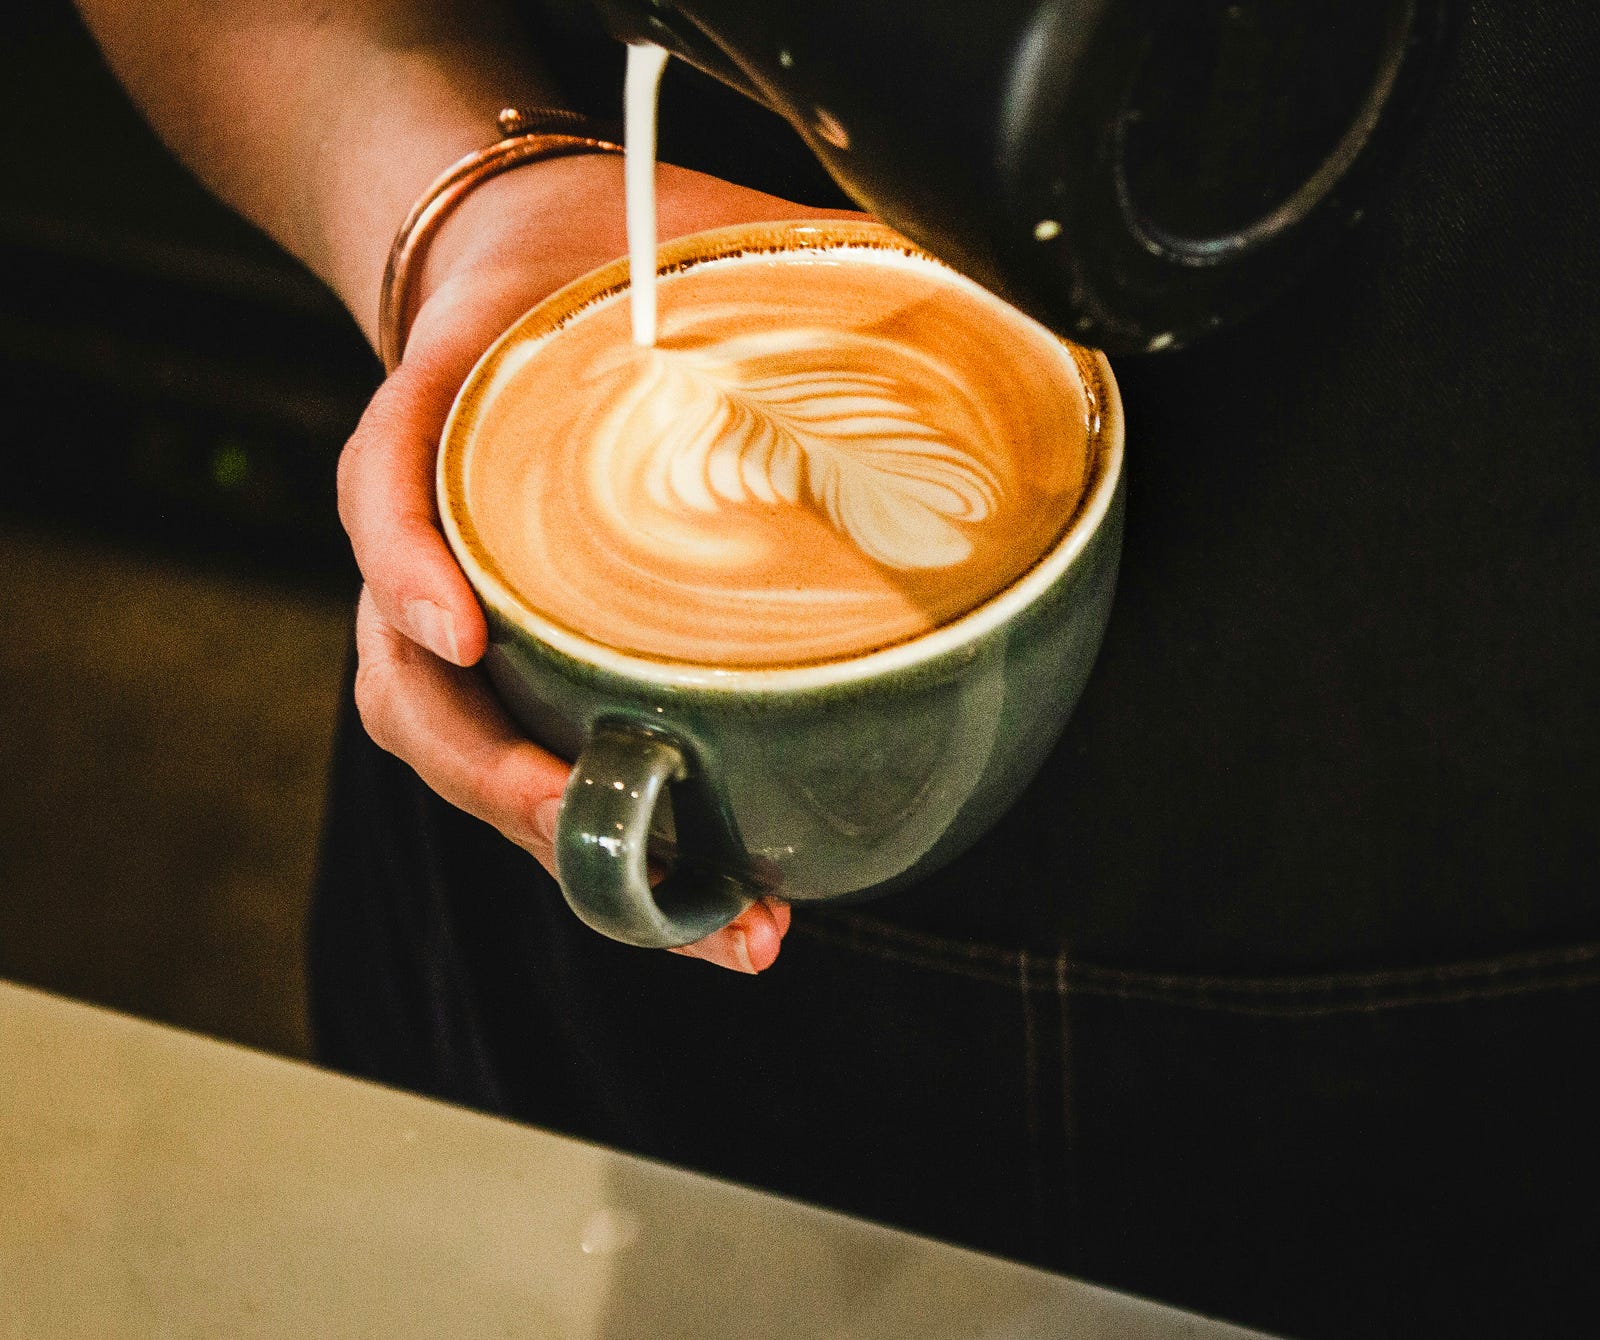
x=387, y=505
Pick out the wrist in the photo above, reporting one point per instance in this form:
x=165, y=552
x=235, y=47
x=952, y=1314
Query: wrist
x=542, y=217
x=556, y=219
x=404, y=283
x=393, y=127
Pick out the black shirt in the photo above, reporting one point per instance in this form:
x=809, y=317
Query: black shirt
x=1345, y=709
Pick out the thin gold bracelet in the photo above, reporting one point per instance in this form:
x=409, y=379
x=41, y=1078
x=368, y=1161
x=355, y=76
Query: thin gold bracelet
x=526, y=137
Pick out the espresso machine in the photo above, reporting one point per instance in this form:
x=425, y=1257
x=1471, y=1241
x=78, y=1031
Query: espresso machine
x=1134, y=173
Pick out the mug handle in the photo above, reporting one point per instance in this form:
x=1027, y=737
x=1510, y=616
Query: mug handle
x=603, y=833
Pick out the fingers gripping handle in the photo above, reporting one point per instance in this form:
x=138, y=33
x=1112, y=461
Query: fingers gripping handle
x=603, y=834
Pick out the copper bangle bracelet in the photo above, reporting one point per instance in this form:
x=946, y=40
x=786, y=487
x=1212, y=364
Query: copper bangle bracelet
x=527, y=138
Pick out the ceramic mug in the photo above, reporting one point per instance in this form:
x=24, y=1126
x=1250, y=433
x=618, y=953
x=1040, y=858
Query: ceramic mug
x=838, y=780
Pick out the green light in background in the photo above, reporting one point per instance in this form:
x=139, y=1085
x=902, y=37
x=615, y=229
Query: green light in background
x=230, y=465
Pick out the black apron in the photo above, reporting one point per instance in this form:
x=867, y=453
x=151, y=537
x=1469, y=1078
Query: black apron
x=1276, y=995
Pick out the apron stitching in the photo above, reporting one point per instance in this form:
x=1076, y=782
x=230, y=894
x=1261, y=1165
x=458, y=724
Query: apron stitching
x=1286, y=997
x=1030, y=1081
x=1072, y=1226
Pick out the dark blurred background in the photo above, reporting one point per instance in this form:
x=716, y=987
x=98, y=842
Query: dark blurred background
x=173, y=581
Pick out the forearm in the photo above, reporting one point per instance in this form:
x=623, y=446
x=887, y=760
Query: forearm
x=320, y=123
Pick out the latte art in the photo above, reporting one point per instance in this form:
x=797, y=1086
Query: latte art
x=777, y=419
x=825, y=453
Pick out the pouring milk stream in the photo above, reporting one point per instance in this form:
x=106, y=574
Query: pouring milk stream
x=639, y=96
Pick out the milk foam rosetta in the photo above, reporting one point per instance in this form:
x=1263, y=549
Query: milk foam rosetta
x=824, y=453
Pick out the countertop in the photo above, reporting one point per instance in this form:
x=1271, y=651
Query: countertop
x=157, y=1183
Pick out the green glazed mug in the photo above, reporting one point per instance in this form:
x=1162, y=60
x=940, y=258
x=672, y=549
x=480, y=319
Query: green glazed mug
x=837, y=780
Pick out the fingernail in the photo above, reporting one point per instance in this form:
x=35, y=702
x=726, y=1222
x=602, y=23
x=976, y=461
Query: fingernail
x=741, y=953
x=546, y=817
x=432, y=626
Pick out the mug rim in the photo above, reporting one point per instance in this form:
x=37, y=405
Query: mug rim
x=1104, y=472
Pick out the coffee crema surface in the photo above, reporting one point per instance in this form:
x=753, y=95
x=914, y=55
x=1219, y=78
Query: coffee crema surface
x=825, y=453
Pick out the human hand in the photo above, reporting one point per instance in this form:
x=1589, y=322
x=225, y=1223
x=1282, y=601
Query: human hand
x=419, y=628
